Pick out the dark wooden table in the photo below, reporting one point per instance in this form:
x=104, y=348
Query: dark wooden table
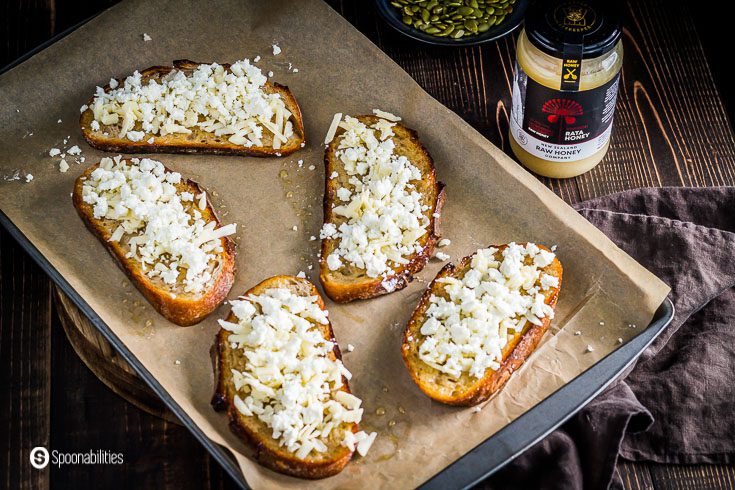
x=671, y=129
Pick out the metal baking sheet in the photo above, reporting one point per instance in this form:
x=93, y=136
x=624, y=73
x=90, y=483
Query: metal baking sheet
x=477, y=464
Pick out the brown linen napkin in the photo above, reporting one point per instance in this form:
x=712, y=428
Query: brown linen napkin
x=678, y=404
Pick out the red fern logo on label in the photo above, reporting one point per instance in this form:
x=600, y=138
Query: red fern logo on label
x=558, y=109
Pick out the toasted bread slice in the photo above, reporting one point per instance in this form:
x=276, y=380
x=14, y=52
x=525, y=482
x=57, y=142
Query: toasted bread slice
x=255, y=432
x=350, y=282
x=108, y=138
x=468, y=390
x=179, y=307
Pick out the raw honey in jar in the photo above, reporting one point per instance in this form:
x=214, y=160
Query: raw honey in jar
x=568, y=62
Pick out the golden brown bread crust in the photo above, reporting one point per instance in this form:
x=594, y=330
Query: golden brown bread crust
x=254, y=432
x=468, y=391
x=182, y=143
x=184, y=309
x=351, y=283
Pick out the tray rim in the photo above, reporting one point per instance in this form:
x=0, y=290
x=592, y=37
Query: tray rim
x=461, y=473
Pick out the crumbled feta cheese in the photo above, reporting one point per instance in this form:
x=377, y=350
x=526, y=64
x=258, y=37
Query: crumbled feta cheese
x=177, y=362
x=300, y=163
x=29, y=177
x=589, y=348
x=229, y=103
x=466, y=328
x=577, y=333
x=83, y=108
x=289, y=382
x=350, y=347
x=58, y=122
x=95, y=125
x=135, y=135
x=295, y=70
x=344, y=194
x=54, y=152
x=270, y=74
x=276, y=49
x=549, y=281
x=301, y=274
x=171, y=240
x=74, y=150
x=295, y=228
x=311, y=167
x=333, y=262
x=150, y=140
x=620, y=340
x=63, y=166
x=442, y=256
x=444, y=242
x=256, y=59
x=312, y=238
x=333, y=175
x=146, y=37
x=113, y=83
x=382, y=219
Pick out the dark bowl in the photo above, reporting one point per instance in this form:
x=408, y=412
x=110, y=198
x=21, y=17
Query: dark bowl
x=394, y=18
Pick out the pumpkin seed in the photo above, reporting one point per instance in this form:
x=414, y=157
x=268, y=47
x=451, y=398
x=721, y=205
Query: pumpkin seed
x=453, y=17
x=471, y=25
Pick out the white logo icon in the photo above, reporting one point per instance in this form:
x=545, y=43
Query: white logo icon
x=39, y=457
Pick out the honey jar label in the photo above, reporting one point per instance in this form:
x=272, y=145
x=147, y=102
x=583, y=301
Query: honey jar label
x=559, y=125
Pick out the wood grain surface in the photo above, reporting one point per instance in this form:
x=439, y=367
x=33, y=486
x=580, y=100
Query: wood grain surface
x=671, y=129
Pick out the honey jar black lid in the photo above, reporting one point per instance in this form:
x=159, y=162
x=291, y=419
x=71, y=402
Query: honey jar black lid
x=558, y=26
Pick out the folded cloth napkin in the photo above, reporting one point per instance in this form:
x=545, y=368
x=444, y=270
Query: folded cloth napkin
x=678, y=404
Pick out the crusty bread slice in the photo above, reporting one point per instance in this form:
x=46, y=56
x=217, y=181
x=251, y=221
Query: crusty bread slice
x=252, y=430
x=468, y=390
x=185, y=308
x=108, y=138
x=349, y=282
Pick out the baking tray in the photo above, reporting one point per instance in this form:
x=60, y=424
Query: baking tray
x=476, y=465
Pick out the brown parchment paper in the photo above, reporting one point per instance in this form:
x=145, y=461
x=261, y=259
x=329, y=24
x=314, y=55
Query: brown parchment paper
x=490, y=200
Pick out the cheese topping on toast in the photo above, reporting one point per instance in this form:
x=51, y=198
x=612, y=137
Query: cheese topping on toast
x=383, y=210
x=289, y=382
x=229, y=103
x=162, y=228
x=466, y=331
